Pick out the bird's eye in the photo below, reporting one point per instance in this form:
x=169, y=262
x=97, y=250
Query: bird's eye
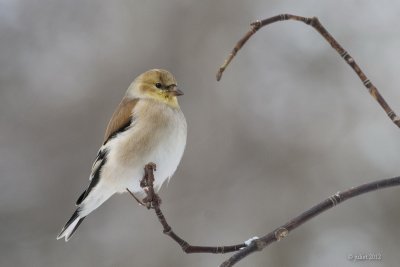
x=158, y=85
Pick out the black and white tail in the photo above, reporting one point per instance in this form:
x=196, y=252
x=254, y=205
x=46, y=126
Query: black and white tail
x=90, y=200
x=71, y=226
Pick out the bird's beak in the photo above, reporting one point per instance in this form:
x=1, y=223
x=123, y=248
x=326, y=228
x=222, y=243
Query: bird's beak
x=175, y=91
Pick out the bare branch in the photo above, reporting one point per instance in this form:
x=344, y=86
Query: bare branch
x=257, y=244
x=186, y=247
x=314, y=22
x=282, y=231
x=153, y=201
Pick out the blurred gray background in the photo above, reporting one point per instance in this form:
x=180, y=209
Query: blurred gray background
x=288, y=125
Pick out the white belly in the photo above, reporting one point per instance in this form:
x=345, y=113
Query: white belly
x=160, y=143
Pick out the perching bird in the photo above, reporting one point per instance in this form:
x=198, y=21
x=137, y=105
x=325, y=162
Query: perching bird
x=147, y=126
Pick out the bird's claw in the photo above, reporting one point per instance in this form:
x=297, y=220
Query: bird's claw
x=152, y=199
x=148, y=177
x=151, y=202
x=151, y=166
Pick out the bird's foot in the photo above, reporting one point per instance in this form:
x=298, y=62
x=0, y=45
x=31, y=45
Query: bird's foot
x=148, y=177
x=152, y=201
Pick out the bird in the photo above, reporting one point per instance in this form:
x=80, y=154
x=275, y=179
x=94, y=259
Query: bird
x=147, y=126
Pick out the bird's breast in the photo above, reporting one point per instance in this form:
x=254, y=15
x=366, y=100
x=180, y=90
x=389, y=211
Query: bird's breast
x=157, y=135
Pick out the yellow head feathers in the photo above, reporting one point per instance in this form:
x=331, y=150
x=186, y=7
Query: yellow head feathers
x=156, y=84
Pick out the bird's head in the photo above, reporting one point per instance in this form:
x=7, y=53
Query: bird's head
x=156, y=84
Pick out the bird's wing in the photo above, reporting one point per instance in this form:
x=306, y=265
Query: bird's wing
x=95, y=173
x=120, y=121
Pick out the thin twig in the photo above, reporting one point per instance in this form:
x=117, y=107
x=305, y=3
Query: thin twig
x=186, y=247
x=133, y=195
x=314, y=22
x=152, y=200
x=282, y=231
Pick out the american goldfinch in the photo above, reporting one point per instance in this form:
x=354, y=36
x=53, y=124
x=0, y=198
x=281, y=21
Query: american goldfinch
x=147, y=126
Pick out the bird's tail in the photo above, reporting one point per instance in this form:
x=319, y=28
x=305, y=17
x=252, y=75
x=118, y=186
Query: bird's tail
x=86, y=204
x=71, y=226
